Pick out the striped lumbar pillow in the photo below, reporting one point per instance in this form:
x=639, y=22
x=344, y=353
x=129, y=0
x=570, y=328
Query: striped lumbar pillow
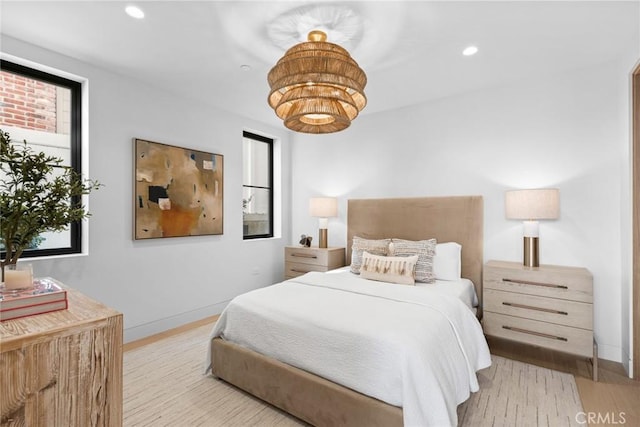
x=376, y=247
x=425, y=249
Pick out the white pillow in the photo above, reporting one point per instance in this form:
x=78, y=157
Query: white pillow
x=446, y=262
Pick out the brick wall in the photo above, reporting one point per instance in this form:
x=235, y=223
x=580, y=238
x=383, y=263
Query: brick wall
x=28, y=103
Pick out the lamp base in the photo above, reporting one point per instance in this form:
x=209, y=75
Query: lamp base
x=322, y=243
x=531, y=258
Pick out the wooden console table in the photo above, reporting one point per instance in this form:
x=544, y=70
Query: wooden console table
x=62, y=368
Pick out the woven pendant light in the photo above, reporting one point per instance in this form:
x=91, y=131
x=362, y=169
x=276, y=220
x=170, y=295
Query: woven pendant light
x=316, y=87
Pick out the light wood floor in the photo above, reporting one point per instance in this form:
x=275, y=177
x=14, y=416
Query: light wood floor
x=615, y=399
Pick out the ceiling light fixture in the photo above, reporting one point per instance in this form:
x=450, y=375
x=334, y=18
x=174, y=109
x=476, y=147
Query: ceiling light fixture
x=316, y=87
x=134, y=12
x=471, y=50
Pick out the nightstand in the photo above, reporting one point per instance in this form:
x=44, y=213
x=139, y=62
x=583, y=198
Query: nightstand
x=548, y=306
x=299, y=260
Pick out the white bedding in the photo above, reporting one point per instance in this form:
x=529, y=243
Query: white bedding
x=413, y=347
x=462, y=289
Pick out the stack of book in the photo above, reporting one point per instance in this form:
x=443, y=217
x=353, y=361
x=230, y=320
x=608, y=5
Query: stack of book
x=45, y=296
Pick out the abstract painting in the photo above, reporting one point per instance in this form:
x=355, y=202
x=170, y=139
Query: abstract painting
x=178, y=191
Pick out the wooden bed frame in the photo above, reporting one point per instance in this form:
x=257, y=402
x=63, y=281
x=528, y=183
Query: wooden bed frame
x=321, y=402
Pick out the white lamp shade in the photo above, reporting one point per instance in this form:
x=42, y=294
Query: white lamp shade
x=323, y=207
x=542, y=203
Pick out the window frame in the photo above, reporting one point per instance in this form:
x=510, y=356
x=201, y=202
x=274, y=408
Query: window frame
x=75, y=139
x=270, y=142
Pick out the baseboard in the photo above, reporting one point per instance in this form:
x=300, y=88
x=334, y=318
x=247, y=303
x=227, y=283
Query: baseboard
x=161, y=325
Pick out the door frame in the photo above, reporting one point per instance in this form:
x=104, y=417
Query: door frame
x=635, y=196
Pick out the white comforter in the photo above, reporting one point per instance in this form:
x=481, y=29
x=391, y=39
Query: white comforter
x=410, y=347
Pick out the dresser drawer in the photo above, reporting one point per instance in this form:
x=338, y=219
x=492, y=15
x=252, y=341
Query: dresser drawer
x=558, y=311
x=543, y=334
x=307, y=256
x=331, y=257
x=552, y=282
x=294, y=269
x=300, y=260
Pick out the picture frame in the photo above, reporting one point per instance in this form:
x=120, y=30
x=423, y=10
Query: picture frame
x=178, y=191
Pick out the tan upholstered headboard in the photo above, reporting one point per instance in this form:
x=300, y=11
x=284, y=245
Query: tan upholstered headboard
x=447, y=219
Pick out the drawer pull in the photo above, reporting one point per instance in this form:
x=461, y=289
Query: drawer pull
x=304, y=255
x=298, y=271
x=540, y=334
x=527, y=282
x=530, y=307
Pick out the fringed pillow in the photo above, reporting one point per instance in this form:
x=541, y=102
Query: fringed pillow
x=425, y=249
x=376, y=247
x=399, y=270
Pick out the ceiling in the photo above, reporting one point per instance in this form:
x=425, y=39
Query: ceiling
x=410, y=50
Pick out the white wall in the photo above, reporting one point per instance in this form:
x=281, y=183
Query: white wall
x=569, y=132
x=160, y=283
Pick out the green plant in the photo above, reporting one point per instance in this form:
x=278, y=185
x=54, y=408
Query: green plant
x=37, y=194
x=245, y=203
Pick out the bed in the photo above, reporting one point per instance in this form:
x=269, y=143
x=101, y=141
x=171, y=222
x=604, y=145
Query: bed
x=335, y=360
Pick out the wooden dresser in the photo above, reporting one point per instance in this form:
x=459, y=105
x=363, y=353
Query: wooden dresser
x=299, y=260
x=547, y=306
x=62, y=368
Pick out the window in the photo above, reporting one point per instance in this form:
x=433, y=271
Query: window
x=45, y=110
x=257, y=186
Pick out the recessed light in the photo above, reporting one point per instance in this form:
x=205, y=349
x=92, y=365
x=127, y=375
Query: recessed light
x=134, y=12
x=470, y=50
x=245, y=67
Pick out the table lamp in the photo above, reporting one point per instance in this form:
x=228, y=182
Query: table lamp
x=530, y=206
x=323, y=208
